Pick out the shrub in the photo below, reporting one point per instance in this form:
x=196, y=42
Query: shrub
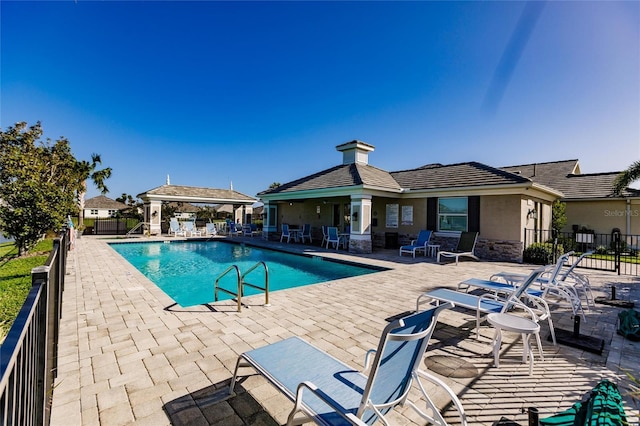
x=541, y=253
x=569, y=243
x=601, y=250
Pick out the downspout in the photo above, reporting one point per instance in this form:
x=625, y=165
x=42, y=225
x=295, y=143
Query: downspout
x=628, y=215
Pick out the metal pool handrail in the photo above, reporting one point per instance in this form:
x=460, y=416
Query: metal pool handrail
x=238, y=294
x=241, y=283
x=266, y=281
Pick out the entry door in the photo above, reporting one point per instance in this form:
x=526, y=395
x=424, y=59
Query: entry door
x=336, y=215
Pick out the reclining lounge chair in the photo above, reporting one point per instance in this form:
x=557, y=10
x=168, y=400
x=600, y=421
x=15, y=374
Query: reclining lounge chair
x=487, y=303
x=329, y=392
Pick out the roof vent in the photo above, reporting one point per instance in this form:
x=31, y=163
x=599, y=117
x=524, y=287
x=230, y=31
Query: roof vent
x=355, y=152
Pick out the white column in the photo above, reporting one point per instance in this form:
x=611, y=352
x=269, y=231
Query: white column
x=153, y=216
x=360, y=238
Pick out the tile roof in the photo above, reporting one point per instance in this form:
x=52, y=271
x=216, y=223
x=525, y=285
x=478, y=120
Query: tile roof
x=565, y=177
x=340, y=176
x=103, y=202
x=596, y=185
x=197, y=192
x=436, y=176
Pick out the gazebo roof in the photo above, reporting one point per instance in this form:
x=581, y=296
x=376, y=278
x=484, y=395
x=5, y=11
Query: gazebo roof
x=193, y=194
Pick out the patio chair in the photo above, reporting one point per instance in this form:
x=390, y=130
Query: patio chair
x=466, y=245
x=306, y=233
x=210, y=230
x=175, y=228
x=247, y=231
x=234, y=230
x=285, y=233
x=329, y=392
x=579, y=281
x=191, y=229
x=551, y=284
x=325, y=234
x=333, y=237
x=417, y=245
x=488, y=303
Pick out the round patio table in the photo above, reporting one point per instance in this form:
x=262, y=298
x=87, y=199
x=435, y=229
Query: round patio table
x=507, y=322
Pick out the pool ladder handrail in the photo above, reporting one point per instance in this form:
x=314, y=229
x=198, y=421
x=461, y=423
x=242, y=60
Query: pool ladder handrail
x=242, y=283
x=135, y=228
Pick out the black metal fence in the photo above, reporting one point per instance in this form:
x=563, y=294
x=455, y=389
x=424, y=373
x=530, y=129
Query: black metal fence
x=28, y=355
x=611, y=252
x=115, y=226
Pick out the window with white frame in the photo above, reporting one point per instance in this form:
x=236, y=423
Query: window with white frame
x=94, y=212
x=453, y=214
x=112, y=212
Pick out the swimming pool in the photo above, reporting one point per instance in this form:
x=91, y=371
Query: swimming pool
x=186, y=270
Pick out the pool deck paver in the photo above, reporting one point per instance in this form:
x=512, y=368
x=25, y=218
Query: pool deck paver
x=129, y=356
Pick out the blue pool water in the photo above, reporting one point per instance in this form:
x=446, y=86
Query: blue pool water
x=186, y=270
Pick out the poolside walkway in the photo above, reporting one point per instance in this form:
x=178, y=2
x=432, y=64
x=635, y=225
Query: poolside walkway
x=129, y=356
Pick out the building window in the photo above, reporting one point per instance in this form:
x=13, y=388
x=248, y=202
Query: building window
x=112, y=213
x=453, y=214
x=94, y=212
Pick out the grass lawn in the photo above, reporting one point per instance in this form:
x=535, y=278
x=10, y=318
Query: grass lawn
x=611, y=258
x=15, y=279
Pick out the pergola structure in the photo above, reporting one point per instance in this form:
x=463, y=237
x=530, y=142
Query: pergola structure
x=153, y=199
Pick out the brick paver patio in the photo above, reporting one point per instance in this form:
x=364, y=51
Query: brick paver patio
x=129, y=356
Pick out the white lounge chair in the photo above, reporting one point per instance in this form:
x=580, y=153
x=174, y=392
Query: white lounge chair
x=486, y=303
x=211, y=230
x=191, y=229
x=329, y=392
x=175, y=228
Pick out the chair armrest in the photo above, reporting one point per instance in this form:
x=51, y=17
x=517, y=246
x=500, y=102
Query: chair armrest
x=367, y=357
x=339, y=409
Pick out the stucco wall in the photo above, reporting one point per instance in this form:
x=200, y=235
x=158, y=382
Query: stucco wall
x=501, y=217
x=603, y=216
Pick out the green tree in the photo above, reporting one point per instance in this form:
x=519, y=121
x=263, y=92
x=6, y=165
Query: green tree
x=627, y=177
x=126, y=199
x=274, y=185
x=39, y=184
x=558, y=216
x=89, y=170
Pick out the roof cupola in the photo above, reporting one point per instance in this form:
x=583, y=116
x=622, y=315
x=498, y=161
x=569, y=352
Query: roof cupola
x=355, y=152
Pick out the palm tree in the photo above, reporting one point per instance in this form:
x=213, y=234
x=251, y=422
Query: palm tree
x=88, y=171
x=626, y=177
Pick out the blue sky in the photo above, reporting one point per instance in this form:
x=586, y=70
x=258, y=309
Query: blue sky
x=260, y=92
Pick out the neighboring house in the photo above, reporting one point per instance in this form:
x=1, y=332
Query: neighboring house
x=589, y=198
x=102, y=207
x=183, y=210
x=380, y=208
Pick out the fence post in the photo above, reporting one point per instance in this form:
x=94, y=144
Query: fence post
x=618, y=249
x=40, y=276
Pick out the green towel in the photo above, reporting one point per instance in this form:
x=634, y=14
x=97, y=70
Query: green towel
x=629, y=324
x=603, y=408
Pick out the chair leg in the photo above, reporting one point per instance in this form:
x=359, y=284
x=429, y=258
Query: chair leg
x=436, y=417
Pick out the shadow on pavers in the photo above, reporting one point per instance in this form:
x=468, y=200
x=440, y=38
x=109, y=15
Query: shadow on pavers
x=213, y=406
